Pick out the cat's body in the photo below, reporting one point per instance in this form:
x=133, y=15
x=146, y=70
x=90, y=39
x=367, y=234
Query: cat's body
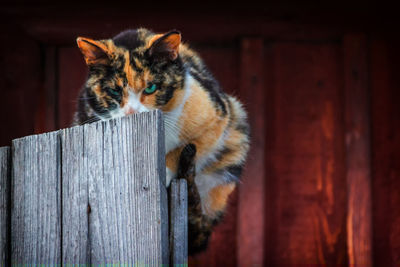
x=138, y=71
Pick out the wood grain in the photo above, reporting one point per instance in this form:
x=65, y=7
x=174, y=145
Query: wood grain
x=5, y=173
x=75, y=198
x=178, y=222
x=114, y=194
x=385, y=120
x=358, y=142
x=251, y=218
x=306, y=157
x=36, y=198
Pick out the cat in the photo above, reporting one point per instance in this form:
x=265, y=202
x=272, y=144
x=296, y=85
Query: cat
x=206, y=130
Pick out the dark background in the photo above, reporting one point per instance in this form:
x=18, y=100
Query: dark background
x=322, y=86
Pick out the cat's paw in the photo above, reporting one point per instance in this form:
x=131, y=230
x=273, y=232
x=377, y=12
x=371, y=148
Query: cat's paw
x=186, y=167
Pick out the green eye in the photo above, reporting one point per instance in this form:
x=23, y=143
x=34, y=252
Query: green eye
x=150, y=89
x=113, y=91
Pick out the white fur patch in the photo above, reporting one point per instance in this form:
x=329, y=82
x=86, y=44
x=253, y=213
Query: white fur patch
x=171, y=118
x=211, y=156
x=134, y=102
x=206, y=182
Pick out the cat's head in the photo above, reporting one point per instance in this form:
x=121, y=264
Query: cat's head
x=135, y=71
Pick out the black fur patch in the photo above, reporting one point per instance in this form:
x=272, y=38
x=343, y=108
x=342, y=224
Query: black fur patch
x=235, y=170
x=186, y=160
x=243, y=128
x=220, y=154
x=128, y=39
x=95, y=105
x=213, y=89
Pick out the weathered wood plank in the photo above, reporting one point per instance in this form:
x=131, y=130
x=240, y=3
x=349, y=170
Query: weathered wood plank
x=75, y=245
x=117, y=188
x=36, y=211
x=178, y=223
x=4, y=202
x=359, y=216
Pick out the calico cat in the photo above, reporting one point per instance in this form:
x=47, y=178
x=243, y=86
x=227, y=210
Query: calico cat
x=206, y=130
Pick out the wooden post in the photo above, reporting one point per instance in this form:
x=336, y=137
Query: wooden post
x=92, y=194
x=114, y=195
x=36, y=197
x=178, y=223
x=359, y=220
x=4, y=203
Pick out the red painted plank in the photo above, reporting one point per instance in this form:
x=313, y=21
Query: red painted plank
x=72, y=75
x=385, y=90
x=20, y=80
x=223, y=62
x=359, y=224
x=221, y=249
x=45, y=119
x=251, y=225
x=305, y=155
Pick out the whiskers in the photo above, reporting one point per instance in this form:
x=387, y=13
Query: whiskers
x=172, y=129
x=90, y=120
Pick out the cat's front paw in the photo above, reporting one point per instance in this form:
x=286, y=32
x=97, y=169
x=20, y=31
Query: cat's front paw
x=186, y=167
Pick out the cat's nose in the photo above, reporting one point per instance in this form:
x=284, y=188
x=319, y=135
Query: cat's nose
x=129, y=111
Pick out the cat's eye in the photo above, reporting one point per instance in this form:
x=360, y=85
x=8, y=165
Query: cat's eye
x=151, y=89
x=113, y=91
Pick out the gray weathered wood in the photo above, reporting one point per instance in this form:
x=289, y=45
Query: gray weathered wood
x=36, y=210
x=117, y=168
x=93, y=194
x=4, y=202
x=75, y=198
x=178, y=219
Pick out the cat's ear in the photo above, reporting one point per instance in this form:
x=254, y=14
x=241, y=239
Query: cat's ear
x=94, y=52
x=166, y=45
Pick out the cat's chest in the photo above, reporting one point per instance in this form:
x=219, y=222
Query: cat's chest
x=172, y=135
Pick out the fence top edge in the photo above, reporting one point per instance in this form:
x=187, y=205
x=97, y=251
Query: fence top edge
x=156, y=112
x=4, y=148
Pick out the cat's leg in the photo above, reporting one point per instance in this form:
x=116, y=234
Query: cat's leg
x=171, y=161
x=200, y=223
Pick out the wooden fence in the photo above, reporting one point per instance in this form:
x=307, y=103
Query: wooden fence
x=92, y=194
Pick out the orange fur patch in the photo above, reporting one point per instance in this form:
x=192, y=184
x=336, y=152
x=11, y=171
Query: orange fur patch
x=208, y=125
x=175, y=101
x=172, y=159
x=218, y=197
x=234, y=141
x=153, y=39
x=93, y=51
x=128, y=70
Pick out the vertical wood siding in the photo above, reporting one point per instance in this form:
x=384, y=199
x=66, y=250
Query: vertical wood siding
x=304, y=197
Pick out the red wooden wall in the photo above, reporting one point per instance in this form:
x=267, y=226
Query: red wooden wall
x=322, y=182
